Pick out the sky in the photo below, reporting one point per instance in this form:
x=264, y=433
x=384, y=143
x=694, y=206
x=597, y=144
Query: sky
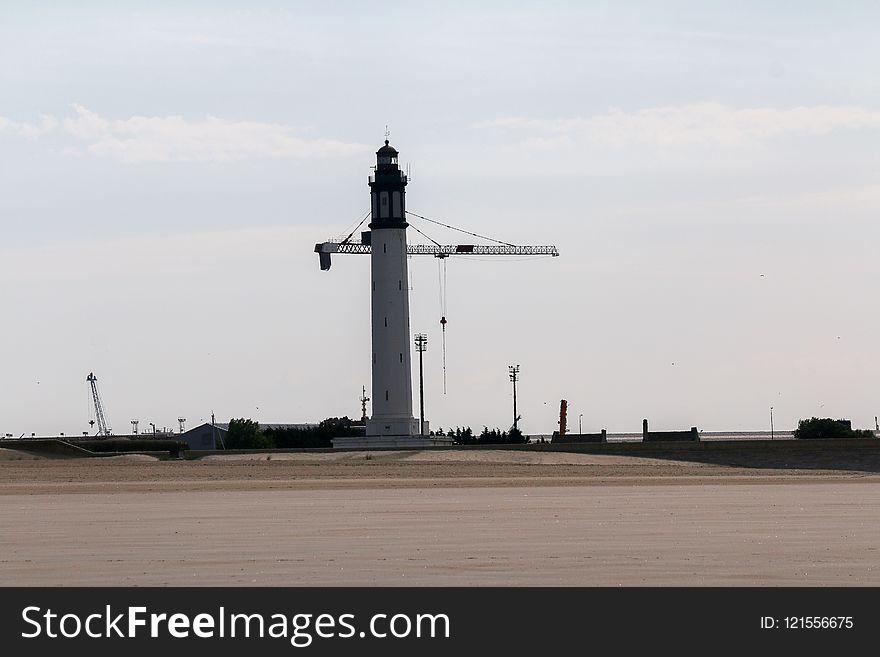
x=710, y=173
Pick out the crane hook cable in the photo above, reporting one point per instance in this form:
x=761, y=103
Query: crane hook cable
x=441, y=274
x=461, y=230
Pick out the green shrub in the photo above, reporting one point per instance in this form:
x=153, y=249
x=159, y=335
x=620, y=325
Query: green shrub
x=824, y=428
x=246, y=434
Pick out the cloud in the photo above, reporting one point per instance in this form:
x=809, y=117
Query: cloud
x=685, y=125
x=45, y=126
x=176, y=139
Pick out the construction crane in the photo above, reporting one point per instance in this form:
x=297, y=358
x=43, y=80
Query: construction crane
x=103, y=429
x=442, y=251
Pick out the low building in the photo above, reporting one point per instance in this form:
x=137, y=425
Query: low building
x=205, y=436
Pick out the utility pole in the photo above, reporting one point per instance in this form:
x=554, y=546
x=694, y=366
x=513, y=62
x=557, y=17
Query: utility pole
x=421, y=347
x=580, y=430
x=771, y=423
x=514, y=376
x=364, y=399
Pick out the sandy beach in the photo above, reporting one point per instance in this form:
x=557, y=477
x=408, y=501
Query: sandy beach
x=437, y=518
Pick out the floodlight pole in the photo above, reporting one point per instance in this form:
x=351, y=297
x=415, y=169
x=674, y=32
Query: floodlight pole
x=421, y=346
x=514, y=375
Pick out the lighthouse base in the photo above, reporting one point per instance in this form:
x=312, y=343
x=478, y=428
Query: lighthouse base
x=392, y=431
x=395, y=425
x=374, y=442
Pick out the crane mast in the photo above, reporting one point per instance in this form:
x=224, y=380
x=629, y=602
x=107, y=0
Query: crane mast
x=103, y=429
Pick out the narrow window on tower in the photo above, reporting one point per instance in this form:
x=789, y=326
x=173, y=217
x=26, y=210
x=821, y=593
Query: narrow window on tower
x=384, y=248
x=399, y=285
x=401, y=358
x=386, y=322
x=386, y=395
x=374, y=286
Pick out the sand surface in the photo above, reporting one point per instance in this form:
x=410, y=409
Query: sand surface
x=436, y=518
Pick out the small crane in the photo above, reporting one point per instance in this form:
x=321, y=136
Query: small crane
x=103, y=429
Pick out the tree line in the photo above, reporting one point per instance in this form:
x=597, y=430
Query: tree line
x=487, y=436
x=247, y=434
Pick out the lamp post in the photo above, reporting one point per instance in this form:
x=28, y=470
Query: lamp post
x=421, y=345
x=580, y=430
x=771, y=423
x=514, y=375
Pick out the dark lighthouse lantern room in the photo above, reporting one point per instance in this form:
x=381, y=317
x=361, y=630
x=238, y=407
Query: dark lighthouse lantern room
x=387, y=191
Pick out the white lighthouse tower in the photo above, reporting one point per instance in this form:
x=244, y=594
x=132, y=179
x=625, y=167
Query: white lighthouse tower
x=392, y=378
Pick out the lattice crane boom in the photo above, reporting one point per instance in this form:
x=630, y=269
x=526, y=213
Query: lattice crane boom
x=103, y=429
x=324, y=249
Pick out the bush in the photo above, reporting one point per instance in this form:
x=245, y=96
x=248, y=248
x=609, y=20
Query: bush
x=498, y=437
x=246, y=434
x=824, y=428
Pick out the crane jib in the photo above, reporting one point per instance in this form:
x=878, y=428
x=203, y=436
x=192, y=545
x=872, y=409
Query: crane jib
x=324, y=249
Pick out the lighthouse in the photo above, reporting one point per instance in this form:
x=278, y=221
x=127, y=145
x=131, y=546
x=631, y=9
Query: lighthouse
x=389, y=301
